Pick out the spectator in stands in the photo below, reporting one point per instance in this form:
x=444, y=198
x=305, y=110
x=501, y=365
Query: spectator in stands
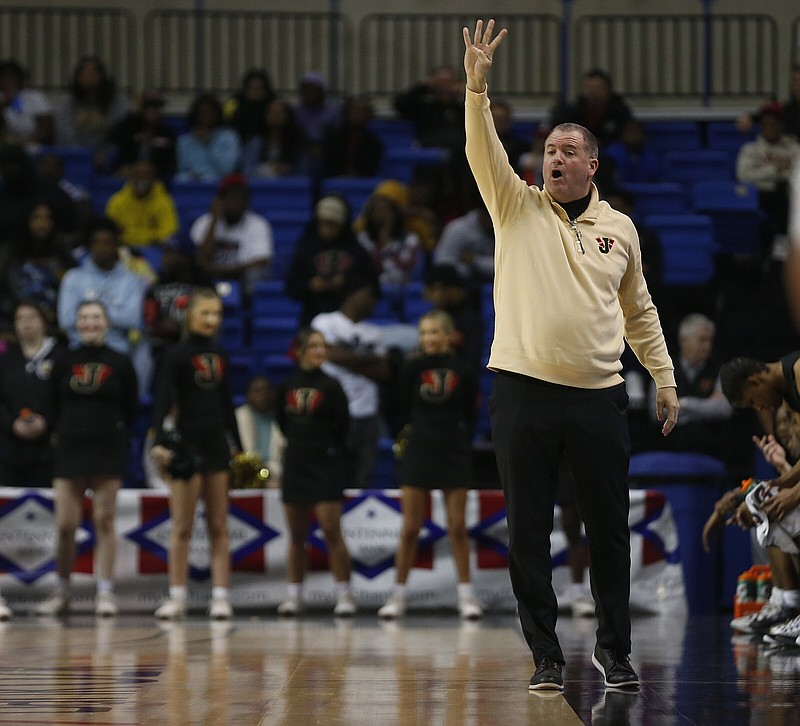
x=143, y=209
x=245, y=111
x=598, y=107
x=446, y=290
x=317, y=114
x=313, y=415
x=21, y=190
x=531, y=161
x=635, y=161
x=791, y=108
x=39, y=260
x=515, y=147
x=91, y=108
x=26, y=458
x=143, y=135
x=233, y=242
x=103, y=277
x=27, y=113
x=259, y=429
x=467, y=243
x=767, y=162
x=279, y=148
x=326, y=251
x=209, y=150
x=94, y=392
x=357, y=359
x=436, y=108
x=50, y=173
x=394, y=250
x=195, y=394
x=352, y=149
x=439, y=393
x=705, y=424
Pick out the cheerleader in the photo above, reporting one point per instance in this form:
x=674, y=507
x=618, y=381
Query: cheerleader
x=313, y=415
x=195, y=453
x=437, y=396
x=94, y=403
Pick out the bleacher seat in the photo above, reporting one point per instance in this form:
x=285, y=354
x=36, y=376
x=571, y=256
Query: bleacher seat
x=230, y=291
x=724, y=136
x=153, y=255
x=272, y=335
x=356, y=190
x=400, y=163
x=735, y=214
x=673, y=135
x=240, y=371
x=281, y=194
x=658, y=198
x=687, y=243
x=414, y=304
x=102, y=189
x=193, y=194
x=77, y=162
x=287, y=228
x=277, y=367
x=393, y=132
x=384, y=474
x=270, y=299
x=231, y=334
x=687, y=167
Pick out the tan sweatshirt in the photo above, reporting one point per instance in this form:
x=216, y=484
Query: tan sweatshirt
x=560, y=313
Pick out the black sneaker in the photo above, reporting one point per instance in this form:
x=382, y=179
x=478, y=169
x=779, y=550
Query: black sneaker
x=615, y=667
x=547, y=676
x=768, y=617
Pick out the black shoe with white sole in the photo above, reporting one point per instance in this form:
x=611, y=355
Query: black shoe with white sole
x=547, y=676
x=615, y=667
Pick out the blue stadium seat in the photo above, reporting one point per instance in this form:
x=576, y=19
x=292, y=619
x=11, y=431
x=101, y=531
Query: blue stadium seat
x=658, y=198
x=724, y=136
x=735, y=214
x=384, y=475
x=277, y=367
x=687, y=167
x=193, y=194
x=673, y=135
x=102, y=189
x=240, y=371
x=281, y=194
x=414, y=304
x=356, y=190
x=270, y=299
x=687, y=242
x=400, y=163
x=153, y=255
x=393, y=132
x=77, y=161
x=272, y=335
x=230, y=291
x=231, y=334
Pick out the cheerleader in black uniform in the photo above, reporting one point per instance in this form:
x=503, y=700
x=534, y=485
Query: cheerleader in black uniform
x=313, y=415
x=195, y=393
x=94, y=403
x=438, y=394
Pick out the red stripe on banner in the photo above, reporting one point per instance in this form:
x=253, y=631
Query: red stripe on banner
x=653, y=504
x=490, y=504
x=254, y=561
x=150, y=508
x=424, y=560
x=85, y=562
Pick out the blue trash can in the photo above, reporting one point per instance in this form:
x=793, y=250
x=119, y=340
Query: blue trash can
x=692, y=483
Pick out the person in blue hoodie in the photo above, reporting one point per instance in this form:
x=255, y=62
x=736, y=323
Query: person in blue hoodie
x=103, y=277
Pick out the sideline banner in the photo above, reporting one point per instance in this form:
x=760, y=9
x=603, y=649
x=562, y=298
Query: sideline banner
x=371, y=524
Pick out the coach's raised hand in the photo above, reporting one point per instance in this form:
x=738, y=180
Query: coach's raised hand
x=479, y=52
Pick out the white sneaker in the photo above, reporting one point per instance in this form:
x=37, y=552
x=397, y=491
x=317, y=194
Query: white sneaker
x=6, y=613
x=171, y=609
x=785, y=633
x=56, y=604
x=395, y=607
x=105, y=605
x=345, y=605
x=219, y=608
x=290, y=606
x=470, y=608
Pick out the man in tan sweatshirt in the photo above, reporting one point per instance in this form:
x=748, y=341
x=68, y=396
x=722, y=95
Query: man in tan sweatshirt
x=568, y=289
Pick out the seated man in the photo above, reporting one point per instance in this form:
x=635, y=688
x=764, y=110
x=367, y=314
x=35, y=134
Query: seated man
x=233, y=242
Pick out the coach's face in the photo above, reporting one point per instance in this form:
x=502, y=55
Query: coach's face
x=567, y=168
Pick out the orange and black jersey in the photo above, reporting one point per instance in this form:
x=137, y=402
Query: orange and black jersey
x=94, y=393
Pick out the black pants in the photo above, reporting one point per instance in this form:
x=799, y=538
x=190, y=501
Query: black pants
x=534, y=424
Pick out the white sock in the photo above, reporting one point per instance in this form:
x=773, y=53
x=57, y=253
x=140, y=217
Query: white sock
x=219, y=593
x=295, y=590
x=177, y=592
x=105, y=587
x=464, y=590
x=342, y=588
x=400, y=590
x=776, y=596
x=791, y=598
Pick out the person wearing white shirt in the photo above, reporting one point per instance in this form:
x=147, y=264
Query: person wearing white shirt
x=27, y=113
x=233, y=242
x=357, y=359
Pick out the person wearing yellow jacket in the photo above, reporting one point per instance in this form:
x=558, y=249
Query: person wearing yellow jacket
x=143, y=208
x=568, y=291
